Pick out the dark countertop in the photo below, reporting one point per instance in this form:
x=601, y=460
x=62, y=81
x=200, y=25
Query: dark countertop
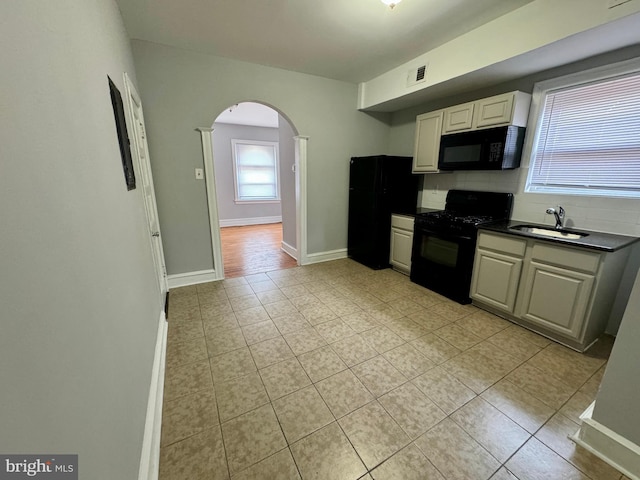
x=419, y=211
x=604, y=242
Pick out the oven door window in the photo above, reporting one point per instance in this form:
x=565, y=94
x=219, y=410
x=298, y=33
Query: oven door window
x=440, y=251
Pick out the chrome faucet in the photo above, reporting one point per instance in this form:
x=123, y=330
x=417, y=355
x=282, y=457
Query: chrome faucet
x=559, y=214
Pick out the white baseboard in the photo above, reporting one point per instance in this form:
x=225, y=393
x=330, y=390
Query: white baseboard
x=240, y=222
x=289, y=250
x=150, y=457
x=192, y=278
x=326, y=256
x=608, y=445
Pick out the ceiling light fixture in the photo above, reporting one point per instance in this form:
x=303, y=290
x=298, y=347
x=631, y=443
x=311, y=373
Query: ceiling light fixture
x=391, y=3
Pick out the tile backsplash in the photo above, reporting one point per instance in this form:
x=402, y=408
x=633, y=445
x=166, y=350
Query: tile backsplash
x=613, y=215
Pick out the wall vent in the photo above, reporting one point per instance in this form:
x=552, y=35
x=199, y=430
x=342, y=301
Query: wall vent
x=417, y=75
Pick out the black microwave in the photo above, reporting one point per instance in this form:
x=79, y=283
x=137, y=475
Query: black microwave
x=498, y=148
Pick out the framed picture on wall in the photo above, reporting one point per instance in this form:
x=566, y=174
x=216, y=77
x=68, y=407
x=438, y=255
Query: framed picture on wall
x=123, y=136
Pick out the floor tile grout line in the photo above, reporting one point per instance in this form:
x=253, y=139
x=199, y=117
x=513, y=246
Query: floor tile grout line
x=558, y=411
x=375, y=400
x=483, y=339
x=165, y=445
x=224, y=444
x=502, y=464
x=554, y=451
x=428, y=460
x=531, y=435
x=367, y=470
x=279, y=424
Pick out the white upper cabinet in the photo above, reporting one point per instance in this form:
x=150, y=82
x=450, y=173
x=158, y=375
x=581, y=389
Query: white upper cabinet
x=427, y=146
x=458, y=118
x=506, y=109
x=495, y=110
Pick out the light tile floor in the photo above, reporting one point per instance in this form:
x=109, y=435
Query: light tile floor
x=334, y=371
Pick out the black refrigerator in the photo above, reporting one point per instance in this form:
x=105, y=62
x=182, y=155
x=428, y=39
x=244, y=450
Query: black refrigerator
x=378, y=186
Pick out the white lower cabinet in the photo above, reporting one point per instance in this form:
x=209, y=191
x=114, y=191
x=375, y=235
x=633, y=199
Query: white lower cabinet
x=401, y=243
x=497, y=280
x=562, y=292
x=556, y=298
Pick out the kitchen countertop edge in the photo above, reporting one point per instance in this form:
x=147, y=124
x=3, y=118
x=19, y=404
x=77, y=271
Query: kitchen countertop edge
x=418, y=211
x=604, y=242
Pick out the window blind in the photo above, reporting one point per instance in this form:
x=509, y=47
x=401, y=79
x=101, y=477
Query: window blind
x=256, y=172
x=588, y=141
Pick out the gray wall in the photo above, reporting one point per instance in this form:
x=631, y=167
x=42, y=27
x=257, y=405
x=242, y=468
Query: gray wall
x=80, y=305
x=223, y=160
x=619, y=395
x=183, y=90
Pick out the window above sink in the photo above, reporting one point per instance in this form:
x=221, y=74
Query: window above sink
x=583, y=137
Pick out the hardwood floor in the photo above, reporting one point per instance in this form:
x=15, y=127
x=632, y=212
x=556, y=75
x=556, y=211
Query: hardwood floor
x=253, y=249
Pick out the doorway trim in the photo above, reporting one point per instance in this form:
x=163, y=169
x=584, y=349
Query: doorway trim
x=300, y=147
x=212, y=202
x=137, y=130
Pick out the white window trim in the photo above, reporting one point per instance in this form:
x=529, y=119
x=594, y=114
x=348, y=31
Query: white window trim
x=274, y=145
x=537, y=103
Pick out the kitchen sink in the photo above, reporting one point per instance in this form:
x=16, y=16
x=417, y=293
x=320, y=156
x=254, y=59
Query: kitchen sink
x=549, y=232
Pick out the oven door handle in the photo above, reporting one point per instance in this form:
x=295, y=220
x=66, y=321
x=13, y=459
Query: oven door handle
x=452, y=237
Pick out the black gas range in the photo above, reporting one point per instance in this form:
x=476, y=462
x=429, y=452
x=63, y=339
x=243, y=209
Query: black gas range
x=444, y=241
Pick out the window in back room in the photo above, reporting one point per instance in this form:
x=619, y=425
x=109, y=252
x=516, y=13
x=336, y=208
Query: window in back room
x=255, y=167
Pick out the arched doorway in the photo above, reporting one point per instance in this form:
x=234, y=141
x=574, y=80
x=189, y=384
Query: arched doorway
x=248, y=127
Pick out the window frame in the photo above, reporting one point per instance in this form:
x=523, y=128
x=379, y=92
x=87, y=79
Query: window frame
x=274, y=145
x=540, y=91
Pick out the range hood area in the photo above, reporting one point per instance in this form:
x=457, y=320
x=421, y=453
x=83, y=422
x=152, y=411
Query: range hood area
x=558, y=33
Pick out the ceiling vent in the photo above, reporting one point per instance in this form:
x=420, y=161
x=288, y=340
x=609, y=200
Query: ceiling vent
x=417, y=75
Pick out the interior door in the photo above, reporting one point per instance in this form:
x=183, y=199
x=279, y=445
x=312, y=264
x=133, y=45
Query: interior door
x=140, y=151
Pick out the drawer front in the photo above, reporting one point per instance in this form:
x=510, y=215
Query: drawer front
x=566, y=257
x=402, y=221
x=502, y=243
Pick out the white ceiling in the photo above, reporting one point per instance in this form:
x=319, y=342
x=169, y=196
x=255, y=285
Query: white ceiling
x=249, y=113
x=350, y=40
